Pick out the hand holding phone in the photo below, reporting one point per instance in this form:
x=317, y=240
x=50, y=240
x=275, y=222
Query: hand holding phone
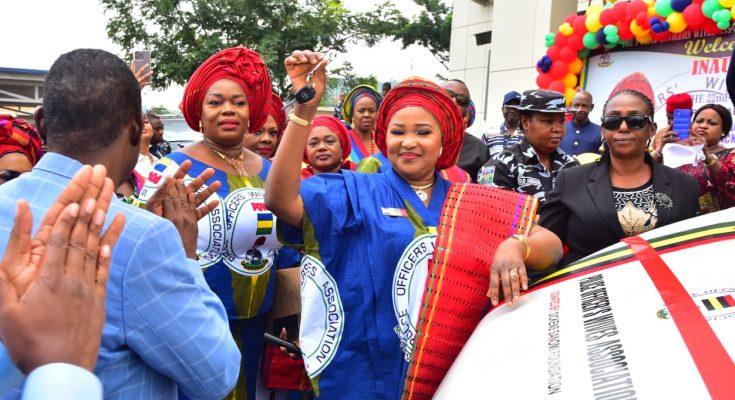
x=682, y=121
x=142, y=67
x=290, y=347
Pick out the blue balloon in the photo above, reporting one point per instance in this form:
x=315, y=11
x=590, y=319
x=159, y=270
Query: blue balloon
x=600, y=36
x=680, y=5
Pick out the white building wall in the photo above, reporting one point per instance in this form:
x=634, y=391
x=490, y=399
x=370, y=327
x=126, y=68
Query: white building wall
x=468, y=61
x=518, y=30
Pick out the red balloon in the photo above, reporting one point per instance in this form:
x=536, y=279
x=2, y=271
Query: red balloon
x=557, y=86
x=553, y=53
x=657, y=37
x=567, y=54
x=579, y=25
x=642, y=20
x=575, y=42
x=624, y=31
x=636, y=7
x=559, y=70
x=560, y=40
x=543, y=81
x=607, y=17
x=693, y=15
x=710, y=26
x=570, y=18
x=620, y=9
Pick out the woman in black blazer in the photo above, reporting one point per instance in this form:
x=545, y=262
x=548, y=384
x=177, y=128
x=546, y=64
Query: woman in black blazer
x=625, y=193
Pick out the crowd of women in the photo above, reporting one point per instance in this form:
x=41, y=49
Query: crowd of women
x=286, y=192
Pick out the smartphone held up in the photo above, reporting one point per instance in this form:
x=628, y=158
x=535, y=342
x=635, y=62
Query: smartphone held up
x=142, y=59
x=682, y=121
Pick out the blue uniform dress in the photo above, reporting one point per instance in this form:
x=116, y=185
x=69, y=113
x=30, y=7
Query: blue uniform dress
x=236, y=249
x=368, y=240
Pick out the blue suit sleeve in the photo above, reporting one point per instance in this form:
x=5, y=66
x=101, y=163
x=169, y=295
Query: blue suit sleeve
x=62, y=381
x=10, y=376
x=174, y=322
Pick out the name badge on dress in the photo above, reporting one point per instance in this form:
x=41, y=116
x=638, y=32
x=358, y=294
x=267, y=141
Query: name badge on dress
x=394, y=212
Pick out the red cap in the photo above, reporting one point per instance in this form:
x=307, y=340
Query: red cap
x=677, y=101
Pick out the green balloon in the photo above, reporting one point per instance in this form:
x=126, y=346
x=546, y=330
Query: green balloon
x=614, y=39
x=584, y=53
x=723, y=25
x=550, y=38
x=709, y=7
x=590, y=41
x=610, y=30
x=663, y=8
x=722, y=16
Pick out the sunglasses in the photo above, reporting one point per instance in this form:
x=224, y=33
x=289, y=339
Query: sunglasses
x=7, y=175
x=634, y=122
x=462, y=100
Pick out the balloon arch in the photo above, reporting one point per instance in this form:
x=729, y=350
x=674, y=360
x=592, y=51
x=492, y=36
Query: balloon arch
x=620, y=23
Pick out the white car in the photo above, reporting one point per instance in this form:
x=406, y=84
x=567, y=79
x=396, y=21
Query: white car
x=178, y=133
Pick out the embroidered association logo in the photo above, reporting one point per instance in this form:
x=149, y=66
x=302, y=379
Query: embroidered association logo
x=322, y=316
x=409, y=283
x=247, y=217
x=715, y=304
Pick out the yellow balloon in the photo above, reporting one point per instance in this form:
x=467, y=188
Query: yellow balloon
x=569, y=94
x=593, y=22
x=594, y=9
x=676, y=22
x=637, y=30
x=644, y=39
x=733, y=12
x=727, y=3
x=575, y=66
x=570, y=80
x=652, y=10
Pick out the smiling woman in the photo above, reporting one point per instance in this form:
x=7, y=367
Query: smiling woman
x=369, y=238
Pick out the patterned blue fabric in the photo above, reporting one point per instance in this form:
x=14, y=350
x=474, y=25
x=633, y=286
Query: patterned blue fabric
x=236, y=249
x=164, y=327
x=368, y=239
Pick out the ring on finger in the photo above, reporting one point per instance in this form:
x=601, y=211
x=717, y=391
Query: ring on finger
x=514, y=271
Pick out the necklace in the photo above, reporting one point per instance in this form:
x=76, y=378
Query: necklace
x=237, y=163
x=420, y=191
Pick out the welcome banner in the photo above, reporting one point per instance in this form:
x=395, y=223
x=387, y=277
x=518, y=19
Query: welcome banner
x=651, y=320
x=693, y=63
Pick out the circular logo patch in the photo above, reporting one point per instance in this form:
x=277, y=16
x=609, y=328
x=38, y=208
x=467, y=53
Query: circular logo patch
x=322, y=316
x=409, y=283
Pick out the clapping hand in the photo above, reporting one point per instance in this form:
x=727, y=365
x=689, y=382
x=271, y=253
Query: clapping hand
x=182, y=204
x=53, y=287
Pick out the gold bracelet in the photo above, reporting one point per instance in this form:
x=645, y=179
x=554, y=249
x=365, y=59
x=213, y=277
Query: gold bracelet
x=298, y=121
x=523, y=239
x=710, y=163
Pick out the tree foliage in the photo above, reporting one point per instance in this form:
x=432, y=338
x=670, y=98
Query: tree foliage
x=432, y=28
x=183, y=33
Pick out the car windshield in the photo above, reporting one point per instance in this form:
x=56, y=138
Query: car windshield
x=176, y=131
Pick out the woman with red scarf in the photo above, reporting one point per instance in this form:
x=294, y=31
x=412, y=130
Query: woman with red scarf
x=226, y=97
x=327, y=148
x=368, y=238
x=264, y=141
x=20, y=147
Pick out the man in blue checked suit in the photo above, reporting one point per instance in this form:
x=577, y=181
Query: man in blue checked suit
x=164, y=329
